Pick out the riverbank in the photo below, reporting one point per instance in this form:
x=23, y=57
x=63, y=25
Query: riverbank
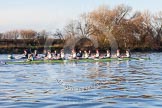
x=8, y=46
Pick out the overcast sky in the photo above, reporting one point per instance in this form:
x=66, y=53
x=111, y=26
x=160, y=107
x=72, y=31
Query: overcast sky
x=52, y=14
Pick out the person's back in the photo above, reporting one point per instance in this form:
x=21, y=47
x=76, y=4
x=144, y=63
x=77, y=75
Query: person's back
x=118, y=53
x=55, y=53
x=73, y=54
x=30, y=58
x=79, y=54
x=108, y=54
x=62, y=55
x=86, y=54
x=128, y=54
x=25, y=54
x=97, y=55
x=35, y=55
x=89, y=53
x=49, y=55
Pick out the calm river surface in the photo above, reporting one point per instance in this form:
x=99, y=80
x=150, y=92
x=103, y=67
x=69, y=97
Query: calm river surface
x=116, y=84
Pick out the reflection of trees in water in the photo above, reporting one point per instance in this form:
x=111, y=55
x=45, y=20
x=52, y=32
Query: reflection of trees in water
x=93, y=72
x=104, y=74
x=100, y=70
x=87, y=76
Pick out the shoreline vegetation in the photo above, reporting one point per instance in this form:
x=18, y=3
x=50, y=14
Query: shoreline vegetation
x=103, y=28
x=18, y=46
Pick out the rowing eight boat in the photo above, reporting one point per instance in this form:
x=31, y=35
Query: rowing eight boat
x=75, y=60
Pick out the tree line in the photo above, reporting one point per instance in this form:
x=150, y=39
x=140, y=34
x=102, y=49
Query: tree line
x=28, y=34
x=120, y=24
x=133, y=30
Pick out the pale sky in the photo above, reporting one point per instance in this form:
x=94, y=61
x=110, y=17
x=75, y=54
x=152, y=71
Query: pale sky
x=53, y=14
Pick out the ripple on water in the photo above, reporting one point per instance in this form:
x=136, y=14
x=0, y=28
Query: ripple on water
x=116, y=84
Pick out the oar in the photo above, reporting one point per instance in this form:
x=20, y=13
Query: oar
x=141, y=58
x=120, y=59
x=2, y=62
x=19, y=57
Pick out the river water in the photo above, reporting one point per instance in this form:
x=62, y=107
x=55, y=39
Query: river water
x=116, y=84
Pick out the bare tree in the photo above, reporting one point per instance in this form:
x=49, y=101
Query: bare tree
x=11, y=34
x=71, y=30
x=1, y=35
x=85, y=26
x=157, y=21
x=58, y=35
x=42, y=35
x=28, y=34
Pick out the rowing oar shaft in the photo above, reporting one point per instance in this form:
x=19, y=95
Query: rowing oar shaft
x=1, y=62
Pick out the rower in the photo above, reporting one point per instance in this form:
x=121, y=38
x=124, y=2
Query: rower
x=128, y=55
x=79, y=54
x=30, y=58
x=118, y=53
x=25, y=54
x=55, y=55
x=89, y=53
x=86, y=55
x=35, y=55
x=108, y=54
x=73, y=54
x=97, y=55
x=49, y=56
x=62, y=55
